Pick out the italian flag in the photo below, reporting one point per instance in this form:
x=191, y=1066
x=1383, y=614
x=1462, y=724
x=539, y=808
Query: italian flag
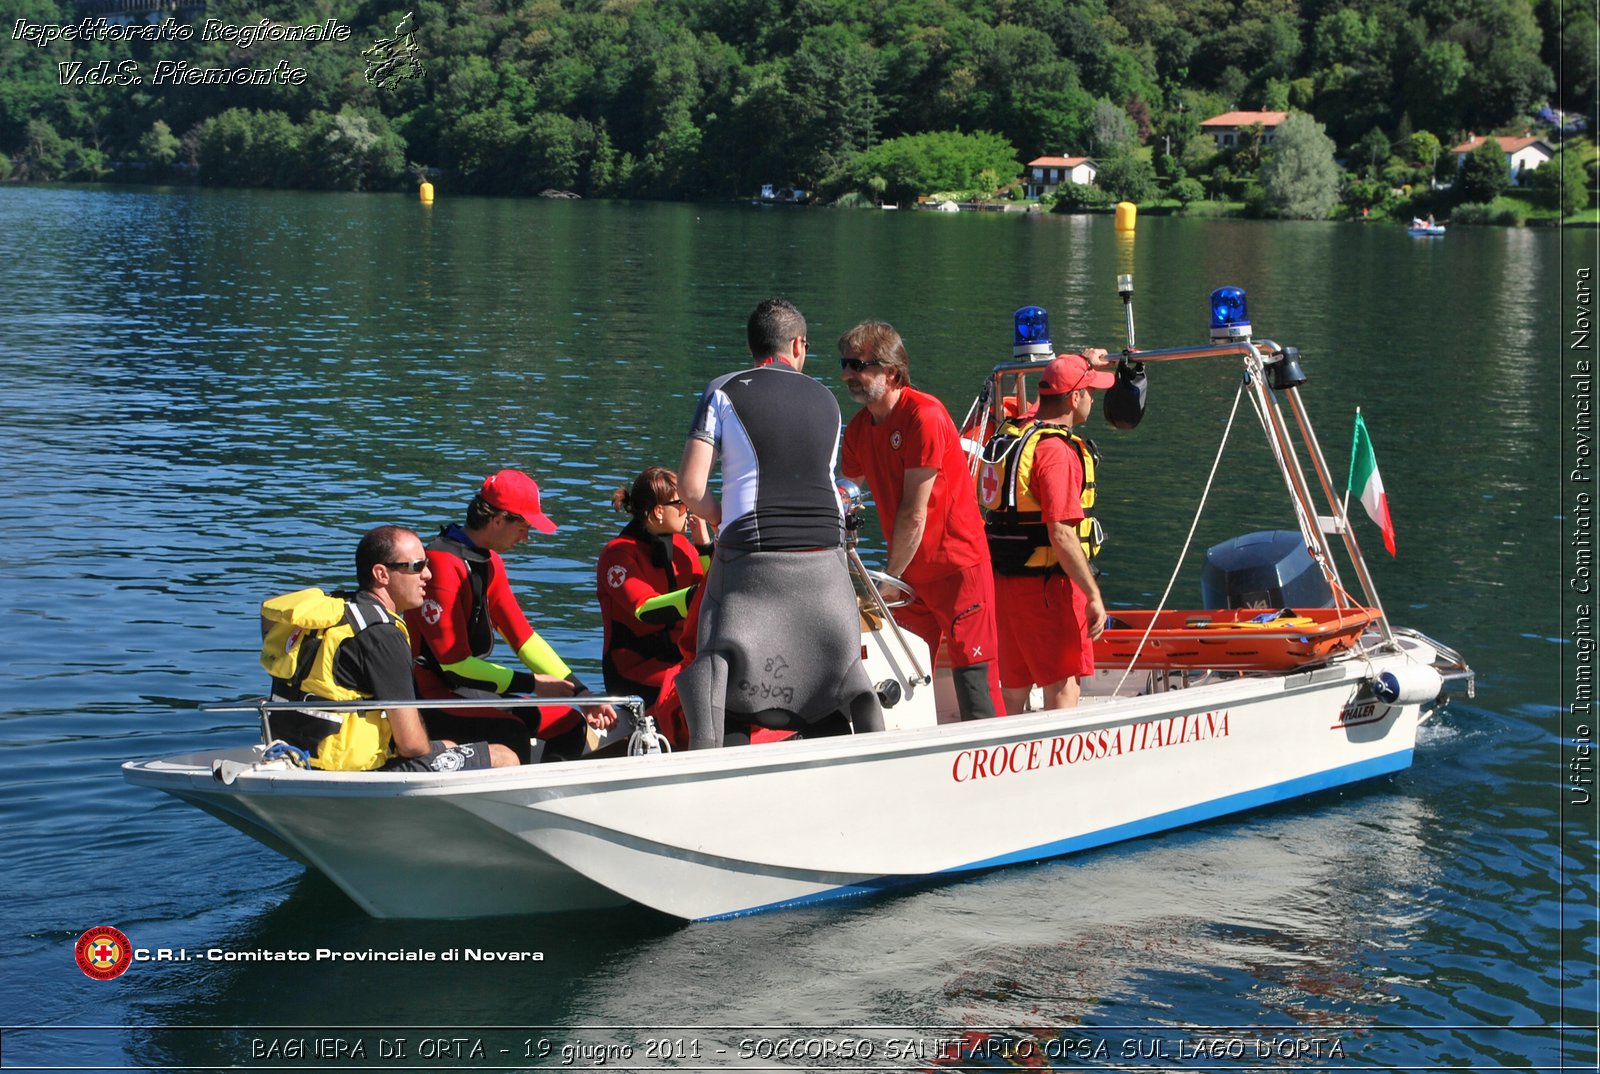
x=1365, y=479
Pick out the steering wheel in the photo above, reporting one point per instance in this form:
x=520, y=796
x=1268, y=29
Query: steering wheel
x=880, y=580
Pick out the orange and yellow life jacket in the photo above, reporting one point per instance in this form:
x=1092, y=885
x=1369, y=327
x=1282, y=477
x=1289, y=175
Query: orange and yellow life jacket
x=1019, y=541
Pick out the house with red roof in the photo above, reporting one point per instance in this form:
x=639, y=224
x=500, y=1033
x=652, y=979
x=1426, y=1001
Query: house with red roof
x=1523, y=154
x=1226, y=127
x=1044, y=174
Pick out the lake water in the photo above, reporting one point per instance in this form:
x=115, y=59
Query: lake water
x=209, y=396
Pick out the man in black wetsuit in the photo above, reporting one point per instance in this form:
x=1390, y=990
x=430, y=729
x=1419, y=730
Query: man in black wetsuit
x=780, y=636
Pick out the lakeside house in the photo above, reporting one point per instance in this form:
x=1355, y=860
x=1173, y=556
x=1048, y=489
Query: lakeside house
x=1046, y=173
x=1522, y=154
x=1226, y=127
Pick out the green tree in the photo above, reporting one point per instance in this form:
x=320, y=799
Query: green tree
x=747, y=143
x=670, y=165
x=159, y=145
x=352, y=150
x=1178, y=128
x=554, y=156
x=601, y=174
x=1299, y=175
x=1434, y=85
x=832, y=84
x=1126, y=176
x=1345, y=36
x=1507, y=76
x=1574, y=59
x=1188, y=190
x=1220, y=182
x=44, y=153
x=1425, y=149
x=486, y=148
x=916, y=164
x=1079, y=197
x=1564, y=183
x=240, y=147
x=1484, y=175
x=1372, y=150
x=1025, y=91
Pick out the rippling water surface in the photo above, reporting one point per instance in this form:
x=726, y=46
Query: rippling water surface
x=209, y=396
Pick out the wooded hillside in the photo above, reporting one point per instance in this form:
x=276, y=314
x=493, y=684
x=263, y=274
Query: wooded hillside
x=702, y=98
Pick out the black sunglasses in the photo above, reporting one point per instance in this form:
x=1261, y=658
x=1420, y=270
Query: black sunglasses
x=857, y=364
x=410, y=566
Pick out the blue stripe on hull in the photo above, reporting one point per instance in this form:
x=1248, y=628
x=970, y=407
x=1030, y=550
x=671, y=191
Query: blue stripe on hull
x=1160, y=822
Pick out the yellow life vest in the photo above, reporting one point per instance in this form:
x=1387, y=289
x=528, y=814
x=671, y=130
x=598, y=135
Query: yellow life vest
x=1019, y=541
x=300, y=637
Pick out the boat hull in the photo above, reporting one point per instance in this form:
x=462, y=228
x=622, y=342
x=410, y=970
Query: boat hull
x=726, y=832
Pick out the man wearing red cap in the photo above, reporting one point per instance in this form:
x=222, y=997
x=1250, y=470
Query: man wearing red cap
x=468, y=601
x=1037, y=490
x=904, y=445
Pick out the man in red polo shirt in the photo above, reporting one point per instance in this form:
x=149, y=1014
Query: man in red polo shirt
x=905, y=447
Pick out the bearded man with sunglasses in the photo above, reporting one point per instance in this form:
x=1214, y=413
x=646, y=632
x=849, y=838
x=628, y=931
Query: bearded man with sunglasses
x=904, y=446
x=468, y=601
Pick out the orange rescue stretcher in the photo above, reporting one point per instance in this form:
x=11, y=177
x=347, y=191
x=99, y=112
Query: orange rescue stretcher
x=1232, y=639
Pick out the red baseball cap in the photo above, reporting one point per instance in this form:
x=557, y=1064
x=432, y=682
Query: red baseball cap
x=515, y=491
x=1069, y=372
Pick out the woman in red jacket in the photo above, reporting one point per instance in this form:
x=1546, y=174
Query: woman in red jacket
x=647, y=579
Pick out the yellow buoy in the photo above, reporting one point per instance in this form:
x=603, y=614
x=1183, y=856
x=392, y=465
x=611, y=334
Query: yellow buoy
x=1127, y=215
x=425, y=192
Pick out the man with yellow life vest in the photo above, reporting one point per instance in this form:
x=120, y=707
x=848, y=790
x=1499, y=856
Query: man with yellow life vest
x=1037, y=487
x=349, y=647
x=468, y=601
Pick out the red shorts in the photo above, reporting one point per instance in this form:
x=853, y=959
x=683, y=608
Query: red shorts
x=957, y=606
x=1044, y=630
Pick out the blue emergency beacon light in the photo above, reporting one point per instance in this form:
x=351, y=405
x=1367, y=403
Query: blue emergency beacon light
x=1031, y=339
x=1230, y=314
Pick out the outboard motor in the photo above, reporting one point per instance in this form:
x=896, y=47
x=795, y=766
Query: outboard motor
x=1265, y=569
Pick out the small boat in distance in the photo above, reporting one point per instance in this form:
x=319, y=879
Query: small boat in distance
x=1191, y=715
x=1426, y=227
x=770, y=196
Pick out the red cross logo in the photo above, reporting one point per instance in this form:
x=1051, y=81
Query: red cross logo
x=103, y=953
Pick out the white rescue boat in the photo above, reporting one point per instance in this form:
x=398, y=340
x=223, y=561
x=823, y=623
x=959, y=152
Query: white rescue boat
x=1157, y=743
